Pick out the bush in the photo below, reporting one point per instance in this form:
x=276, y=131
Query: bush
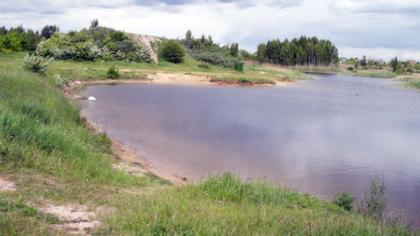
x=35, y=63
x=215, y=58
x=86, y=51
x=141, y=55
x=239, y=66
x=204, y=66
x=112, y=73
x=350, y=68
x=400, y=69
x=344, y=200
x=172, y=51
x=410, y=68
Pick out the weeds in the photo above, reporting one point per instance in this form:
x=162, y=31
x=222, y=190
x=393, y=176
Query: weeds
x=112, y=73
x=374, y=201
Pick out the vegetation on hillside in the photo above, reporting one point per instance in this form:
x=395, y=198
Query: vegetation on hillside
x=92, y=44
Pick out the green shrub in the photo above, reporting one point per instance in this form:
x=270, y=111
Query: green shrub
x=344, y=200
x=215, y=58
x=410, y=68
x=204, y=66
x=239, y=66
x=35, y=63
x=112, y=73
x=172, y=51
x=400, y=69
x=141, y=55
x=350, y=68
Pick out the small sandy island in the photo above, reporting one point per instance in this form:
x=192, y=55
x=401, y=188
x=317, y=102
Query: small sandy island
x=174, y=78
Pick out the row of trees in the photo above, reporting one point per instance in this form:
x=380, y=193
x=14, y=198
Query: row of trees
x=364, y=62
x=20, y=39
x=301, y=51
x=396, y=65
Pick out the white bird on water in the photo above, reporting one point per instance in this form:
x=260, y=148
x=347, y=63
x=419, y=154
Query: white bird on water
x=91, y=98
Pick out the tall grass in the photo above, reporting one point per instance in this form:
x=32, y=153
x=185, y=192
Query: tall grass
x=414, y=84
x=40, y=129
x=227, y=206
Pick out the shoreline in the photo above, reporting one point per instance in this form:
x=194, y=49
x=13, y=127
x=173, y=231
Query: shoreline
x=133, y=162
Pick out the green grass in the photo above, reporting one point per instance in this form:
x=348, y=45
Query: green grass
x=17, y=218
x=414, y=84
x=46, y=149
x=227, y=206
x=375, y=73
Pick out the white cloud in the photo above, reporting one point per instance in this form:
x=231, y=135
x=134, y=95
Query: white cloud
x=379, y=6
x=357, y=24
x=380, y=53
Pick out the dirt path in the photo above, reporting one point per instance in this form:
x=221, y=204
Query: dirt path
x=6, y=186
x=75, y=219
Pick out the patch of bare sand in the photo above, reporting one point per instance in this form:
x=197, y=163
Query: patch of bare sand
x=178, y=78
x=76, y=219
x=134, y=164
x=6, y=186
x=150, y=42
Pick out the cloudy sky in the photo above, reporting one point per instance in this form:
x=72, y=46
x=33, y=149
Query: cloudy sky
x=377, y=28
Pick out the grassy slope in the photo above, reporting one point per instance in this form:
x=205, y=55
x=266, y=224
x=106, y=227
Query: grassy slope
x=47, y=150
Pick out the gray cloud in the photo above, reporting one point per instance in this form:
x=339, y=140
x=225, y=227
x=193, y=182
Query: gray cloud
x=36, y=6
x=280, y=3
x=59, y=7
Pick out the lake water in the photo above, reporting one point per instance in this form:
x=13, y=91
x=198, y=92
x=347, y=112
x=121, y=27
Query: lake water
x=323, y=136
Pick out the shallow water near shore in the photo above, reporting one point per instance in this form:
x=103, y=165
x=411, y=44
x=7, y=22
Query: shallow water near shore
x=323, y=136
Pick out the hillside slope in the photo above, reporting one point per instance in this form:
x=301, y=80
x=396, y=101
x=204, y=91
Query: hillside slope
x=150, y=42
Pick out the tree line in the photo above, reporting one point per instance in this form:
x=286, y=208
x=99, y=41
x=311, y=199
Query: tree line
x=298, y=51
x=20, y=39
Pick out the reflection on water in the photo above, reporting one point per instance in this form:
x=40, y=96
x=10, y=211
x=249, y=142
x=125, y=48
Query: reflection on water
x=322, y=136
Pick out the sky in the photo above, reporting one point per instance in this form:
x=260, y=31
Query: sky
x=379, y=29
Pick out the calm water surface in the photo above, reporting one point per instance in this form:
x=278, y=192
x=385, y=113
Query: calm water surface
x=323, y=136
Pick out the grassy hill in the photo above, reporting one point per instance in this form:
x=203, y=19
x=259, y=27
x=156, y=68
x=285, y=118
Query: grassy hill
x=58, y=176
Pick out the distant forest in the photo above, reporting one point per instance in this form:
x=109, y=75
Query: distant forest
x=301, y=51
